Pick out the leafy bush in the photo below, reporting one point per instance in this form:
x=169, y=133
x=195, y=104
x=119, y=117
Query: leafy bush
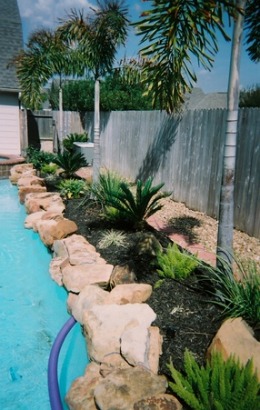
x=107, y=187
x=70, y=163
x=39, y=158
x=220, y=385
x=49, y=168
x=68, y=142
x=238, y=298
x=112, y=237
x=72, y=188
x=175, y=264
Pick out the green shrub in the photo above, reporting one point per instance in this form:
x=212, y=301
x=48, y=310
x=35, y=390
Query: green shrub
x=68, y=142
x=112, y=237
x=70, y=163
x=220, y=385
x=72, y=188
x=107, y=187
x=38, y=158
x=237, y=298
x=175, y=264
x=49, y=168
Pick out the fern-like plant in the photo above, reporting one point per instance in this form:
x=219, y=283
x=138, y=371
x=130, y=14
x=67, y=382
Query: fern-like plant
x=175, y=264
x=70, y=163
x=219, y=385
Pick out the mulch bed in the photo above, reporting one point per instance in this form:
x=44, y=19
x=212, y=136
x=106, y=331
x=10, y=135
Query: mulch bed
x=185, y=316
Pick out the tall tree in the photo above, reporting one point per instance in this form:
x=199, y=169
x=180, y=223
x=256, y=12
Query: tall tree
x=45, y=56
x=97, y=37
x=174, y=32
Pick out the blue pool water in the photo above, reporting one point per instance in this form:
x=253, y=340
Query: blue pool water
x=32, y=311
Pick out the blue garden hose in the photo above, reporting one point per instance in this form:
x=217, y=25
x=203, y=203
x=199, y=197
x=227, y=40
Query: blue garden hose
x=53, y=384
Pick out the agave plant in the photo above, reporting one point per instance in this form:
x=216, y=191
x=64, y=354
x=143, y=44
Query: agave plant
x=70, y=163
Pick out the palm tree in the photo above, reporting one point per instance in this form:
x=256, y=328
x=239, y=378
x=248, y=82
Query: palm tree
x=46, y=56
x=176, y=31
x=97, y=37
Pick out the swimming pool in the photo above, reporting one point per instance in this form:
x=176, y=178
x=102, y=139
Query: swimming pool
x=33, y=310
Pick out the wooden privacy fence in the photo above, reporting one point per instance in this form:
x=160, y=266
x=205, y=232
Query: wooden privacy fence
x=185, y=152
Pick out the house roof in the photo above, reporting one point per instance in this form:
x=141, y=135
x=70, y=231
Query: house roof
x=198, y=100
x=11, y=42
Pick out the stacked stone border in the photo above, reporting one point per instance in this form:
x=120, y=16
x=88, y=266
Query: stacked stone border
x=123, y=345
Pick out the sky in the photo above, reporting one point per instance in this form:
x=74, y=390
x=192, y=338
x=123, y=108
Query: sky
x=37, y=14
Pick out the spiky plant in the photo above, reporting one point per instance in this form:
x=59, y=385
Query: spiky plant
x=112, y=237
x=70, y=163
x=219, y=385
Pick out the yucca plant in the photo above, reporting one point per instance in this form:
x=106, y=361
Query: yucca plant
x=70, y=163
x=219, y=385
x=112, y=237
x=135, y=208
x=237, y=298
x=174, y=264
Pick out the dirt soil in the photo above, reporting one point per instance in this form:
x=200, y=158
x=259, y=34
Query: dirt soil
x=185, y=316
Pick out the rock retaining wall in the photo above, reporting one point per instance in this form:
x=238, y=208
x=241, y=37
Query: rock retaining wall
x=123, y=345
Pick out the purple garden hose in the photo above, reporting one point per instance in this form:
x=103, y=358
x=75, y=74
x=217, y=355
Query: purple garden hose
x=53, y=385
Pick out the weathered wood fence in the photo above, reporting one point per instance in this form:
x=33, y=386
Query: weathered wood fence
x=185, y=152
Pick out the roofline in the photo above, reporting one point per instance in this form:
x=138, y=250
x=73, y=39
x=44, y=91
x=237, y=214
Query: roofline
x=10, y=90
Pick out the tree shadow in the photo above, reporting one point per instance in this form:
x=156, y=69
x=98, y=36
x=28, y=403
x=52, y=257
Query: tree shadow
x=184, y=225
x=157, y=151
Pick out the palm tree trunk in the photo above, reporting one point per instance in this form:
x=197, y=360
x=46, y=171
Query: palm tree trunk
x=226, y=206
x=96, y=161
x=60, y=119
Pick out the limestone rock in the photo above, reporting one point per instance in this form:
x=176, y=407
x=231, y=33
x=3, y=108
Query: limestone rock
x=105, y=324
x=130, y=293
x=32, y=220
x=75, y=278
x=142, y=345
x=35, y=202
x=50, y=230
x=159, y=402
x=236, y=338
x=28, y=184
x=89, y=296
x=21, y=170
x=81, y=393
x=111, y=362
x=122, y=275
x=122, y=388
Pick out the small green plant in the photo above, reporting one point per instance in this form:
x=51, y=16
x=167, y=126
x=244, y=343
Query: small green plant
x=220, y=385
x=70, y=163
x=38, y=158
x=175, y=264
x=72, y=188
x=68, y=142
x=237, y=298
x=112, y=237
x=49, y=169
x=107, y=187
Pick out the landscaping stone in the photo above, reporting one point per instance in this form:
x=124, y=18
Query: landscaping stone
x=32, y=220
x=122, y=388
x=104, y=326
x=236, y=338
x=130, y=293
x=47, y=201
x=21, y=170
x=75, y=278
x=159, y=402
x=122, y=275
x=111, y=362
x=81, y=393
x=51, y=230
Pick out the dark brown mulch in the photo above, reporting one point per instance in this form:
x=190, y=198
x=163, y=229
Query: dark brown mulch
x=186, y=318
